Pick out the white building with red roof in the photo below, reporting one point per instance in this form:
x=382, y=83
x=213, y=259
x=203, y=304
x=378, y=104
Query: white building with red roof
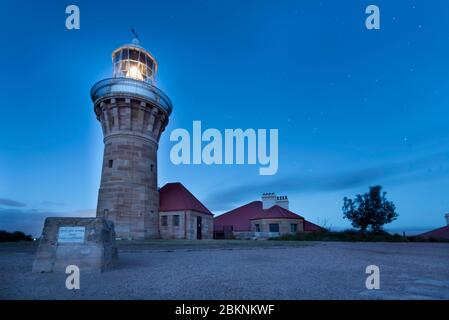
x=270, y=217
x=182, y=215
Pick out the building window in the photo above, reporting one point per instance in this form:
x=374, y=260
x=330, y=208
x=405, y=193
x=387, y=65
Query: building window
x=164, y=221
x=274, y=227
x=294, y=228
x=113, y=121
x=176, y=220
x=111, y=162
x=257, y=227
x=152, y=167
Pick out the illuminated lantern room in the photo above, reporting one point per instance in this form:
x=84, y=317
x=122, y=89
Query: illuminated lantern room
x=134, y=74
x=133, y=61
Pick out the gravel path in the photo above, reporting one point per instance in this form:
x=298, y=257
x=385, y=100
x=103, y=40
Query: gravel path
x=239, y=270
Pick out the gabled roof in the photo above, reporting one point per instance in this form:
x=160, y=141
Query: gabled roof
x=440, y=233
x=240, y=217
x=275, y=212
x=175, y=197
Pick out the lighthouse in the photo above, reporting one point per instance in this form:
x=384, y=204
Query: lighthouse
x=133, y=113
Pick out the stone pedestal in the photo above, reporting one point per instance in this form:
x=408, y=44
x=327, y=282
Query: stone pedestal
x=88, y=243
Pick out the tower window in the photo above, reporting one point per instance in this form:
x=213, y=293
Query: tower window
x=152, y=167
x=111, y=162
x=113, y=121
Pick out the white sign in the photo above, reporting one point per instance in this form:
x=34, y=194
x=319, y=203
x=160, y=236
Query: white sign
x=71, y=234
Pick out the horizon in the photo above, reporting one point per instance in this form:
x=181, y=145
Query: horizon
x=354, y=108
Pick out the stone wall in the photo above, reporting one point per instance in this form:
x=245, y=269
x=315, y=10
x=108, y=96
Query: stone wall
x=170, y=231
x=207, y=231
x=243, y=235
x=187, y=228
x=284, y=227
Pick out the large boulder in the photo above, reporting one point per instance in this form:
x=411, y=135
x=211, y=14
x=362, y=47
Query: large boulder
x=88, y=243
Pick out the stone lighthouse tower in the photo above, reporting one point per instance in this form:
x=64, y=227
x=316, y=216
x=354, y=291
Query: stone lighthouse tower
x=133, y=113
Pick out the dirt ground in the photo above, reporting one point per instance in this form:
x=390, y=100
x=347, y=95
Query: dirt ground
x=241, y=270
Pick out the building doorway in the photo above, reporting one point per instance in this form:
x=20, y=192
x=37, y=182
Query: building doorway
x=198, y=228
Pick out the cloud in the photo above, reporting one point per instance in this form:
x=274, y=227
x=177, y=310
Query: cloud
x=52, y=204
x=11, y=203
x=31, y=221
x=398, y=172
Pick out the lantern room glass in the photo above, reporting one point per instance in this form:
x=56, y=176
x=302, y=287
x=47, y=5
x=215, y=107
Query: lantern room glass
x=135, y=63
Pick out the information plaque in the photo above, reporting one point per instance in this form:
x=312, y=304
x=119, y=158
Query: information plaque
x=71, y=234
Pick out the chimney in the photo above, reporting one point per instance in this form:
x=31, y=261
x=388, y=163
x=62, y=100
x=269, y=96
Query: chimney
x=268, y=200
x=447, y=218
x=282, y=201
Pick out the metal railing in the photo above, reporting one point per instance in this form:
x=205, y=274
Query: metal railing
x=130, y=87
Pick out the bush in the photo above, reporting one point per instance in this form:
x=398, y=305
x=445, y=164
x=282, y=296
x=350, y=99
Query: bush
x=351, y=235
x=16, y=236
x=347, y=235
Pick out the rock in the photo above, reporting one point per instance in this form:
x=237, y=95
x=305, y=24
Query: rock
x=88, y=243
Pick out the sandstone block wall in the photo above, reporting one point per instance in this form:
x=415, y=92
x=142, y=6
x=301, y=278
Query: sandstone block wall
x=284, y=226
x=128, y=193
x=96, y=251
x=187, y=228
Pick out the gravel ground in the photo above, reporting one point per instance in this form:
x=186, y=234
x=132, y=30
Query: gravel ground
x=241, y=270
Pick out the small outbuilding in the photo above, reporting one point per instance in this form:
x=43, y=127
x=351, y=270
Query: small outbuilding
x=182, y=215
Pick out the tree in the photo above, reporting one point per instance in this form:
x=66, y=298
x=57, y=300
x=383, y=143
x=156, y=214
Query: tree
x=14, y=236
x=369, y=211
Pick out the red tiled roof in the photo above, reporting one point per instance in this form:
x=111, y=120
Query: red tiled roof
x=240, y=217
x=440, y=233
x=275, y=212
x=175, y=197
x=311, y=227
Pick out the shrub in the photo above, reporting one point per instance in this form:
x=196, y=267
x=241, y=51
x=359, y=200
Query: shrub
x=347, y=235
x=16, y=236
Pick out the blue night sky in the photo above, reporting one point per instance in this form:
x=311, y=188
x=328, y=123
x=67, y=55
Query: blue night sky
x=354, y=107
